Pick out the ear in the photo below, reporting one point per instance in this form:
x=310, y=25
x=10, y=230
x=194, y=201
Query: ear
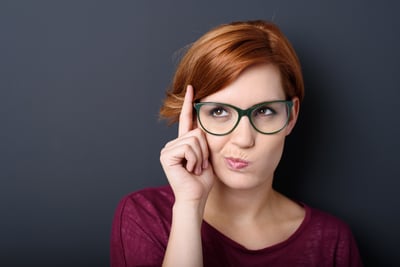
x=294, y=114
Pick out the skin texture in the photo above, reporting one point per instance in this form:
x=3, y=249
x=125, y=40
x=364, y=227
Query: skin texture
x=227, y=180
x=262, y=152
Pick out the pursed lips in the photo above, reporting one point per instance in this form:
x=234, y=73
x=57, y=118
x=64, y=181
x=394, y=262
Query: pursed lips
x=236, y=164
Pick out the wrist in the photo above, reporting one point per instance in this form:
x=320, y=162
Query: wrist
x=189, y=211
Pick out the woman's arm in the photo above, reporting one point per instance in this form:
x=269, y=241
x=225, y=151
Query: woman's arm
x=185, y=163
x=184, y=244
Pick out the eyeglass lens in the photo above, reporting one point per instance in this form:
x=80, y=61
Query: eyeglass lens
x=220, y=119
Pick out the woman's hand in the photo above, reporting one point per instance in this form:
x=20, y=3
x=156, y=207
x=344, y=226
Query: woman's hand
x=185, y=159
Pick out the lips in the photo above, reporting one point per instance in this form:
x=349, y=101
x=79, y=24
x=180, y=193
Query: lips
x=236, y=164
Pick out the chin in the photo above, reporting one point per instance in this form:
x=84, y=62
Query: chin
x=240, y=181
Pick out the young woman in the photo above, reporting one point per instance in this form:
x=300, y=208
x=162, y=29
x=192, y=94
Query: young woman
x=236, y=95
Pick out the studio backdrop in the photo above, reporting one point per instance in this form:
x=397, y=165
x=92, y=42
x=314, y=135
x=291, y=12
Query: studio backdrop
x=81, y=83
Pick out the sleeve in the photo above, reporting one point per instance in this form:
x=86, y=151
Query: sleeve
x=136, y=235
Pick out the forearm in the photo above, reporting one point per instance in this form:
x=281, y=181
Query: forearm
x=184, y=244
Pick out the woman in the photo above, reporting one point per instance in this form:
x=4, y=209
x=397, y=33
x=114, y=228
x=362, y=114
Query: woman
x=236, y=94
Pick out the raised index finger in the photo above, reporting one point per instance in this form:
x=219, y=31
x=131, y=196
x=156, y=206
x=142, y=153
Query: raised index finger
x=186, y=116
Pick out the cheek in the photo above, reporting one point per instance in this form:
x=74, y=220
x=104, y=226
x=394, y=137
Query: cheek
x=269, y=153
x=215, y=143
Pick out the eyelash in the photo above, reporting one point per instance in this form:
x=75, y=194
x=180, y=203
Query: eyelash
x=269, y=111
x=216, y=110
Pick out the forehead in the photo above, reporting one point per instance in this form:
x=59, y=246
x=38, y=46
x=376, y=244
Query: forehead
x=256, y=84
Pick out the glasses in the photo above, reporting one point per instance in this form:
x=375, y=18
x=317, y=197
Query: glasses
x=221, y=119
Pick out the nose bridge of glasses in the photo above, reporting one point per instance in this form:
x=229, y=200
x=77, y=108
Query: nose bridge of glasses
x=244, y=113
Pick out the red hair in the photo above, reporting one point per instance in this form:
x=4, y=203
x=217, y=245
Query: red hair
x=218, y=57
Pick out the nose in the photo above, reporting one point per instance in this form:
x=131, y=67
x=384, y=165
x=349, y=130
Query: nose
x=244, y=134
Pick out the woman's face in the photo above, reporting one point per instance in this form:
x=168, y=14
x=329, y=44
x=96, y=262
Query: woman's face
x=245, y=158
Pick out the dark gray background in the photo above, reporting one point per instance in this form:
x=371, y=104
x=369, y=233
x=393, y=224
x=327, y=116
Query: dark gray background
x=81, y=83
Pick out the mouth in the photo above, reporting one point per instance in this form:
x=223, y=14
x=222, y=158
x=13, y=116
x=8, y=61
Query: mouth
x=236, y=164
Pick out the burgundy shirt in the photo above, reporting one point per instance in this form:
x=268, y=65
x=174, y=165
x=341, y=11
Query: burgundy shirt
x=142, y=224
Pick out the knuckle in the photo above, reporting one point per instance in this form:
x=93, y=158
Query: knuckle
x=187, y=147
x=162, y=155
x=162, y=152
x=168, y=144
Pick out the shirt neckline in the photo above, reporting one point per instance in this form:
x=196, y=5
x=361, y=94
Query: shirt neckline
x=279, y=245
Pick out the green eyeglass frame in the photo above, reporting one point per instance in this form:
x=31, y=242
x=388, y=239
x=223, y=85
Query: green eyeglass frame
x=245, y=112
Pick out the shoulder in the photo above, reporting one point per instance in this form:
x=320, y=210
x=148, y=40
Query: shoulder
x=322, y=221
x=141, y=226
x=321, y=228
x=151, y=194
x=148, y=209
x=326, y=227
x=147, y=202
x=143, y=215
x=333, y=236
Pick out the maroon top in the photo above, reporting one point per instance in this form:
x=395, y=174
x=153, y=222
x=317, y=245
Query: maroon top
x=142, y=224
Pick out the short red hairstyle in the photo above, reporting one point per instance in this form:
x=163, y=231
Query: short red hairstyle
x=218, y=57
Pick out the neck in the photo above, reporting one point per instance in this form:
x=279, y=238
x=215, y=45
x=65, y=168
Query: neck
x=240, y=205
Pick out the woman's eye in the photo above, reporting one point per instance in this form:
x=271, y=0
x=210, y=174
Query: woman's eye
x=264, y=111
x=219, y=112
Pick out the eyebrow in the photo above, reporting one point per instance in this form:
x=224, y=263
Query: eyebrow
x=259, y=103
